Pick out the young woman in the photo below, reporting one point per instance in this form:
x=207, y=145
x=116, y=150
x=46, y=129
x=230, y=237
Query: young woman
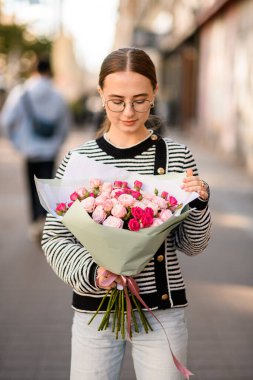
x=128, y=87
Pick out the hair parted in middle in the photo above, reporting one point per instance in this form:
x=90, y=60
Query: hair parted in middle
x=128, y=59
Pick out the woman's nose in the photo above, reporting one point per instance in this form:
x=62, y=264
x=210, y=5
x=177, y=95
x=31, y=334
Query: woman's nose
x=129, y=109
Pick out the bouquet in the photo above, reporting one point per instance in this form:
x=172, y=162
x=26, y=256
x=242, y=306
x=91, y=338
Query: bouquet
x=118, y=205
x=144, y=209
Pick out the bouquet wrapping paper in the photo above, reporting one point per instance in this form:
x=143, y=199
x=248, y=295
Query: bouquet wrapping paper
x=120, y=251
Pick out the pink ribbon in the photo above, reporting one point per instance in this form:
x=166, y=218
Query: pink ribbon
x=129, y=283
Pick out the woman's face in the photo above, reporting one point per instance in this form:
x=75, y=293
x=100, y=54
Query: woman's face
x=127, y=87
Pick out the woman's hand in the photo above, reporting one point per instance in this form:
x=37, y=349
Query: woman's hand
x=104, y=276
x=194, y=183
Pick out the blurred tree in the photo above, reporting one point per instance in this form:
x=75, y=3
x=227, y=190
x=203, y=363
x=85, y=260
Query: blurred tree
x=17, y=37
x=18, y=51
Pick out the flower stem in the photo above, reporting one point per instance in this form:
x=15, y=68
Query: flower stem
x=115, y=312
x=122, y=315
x=99, y=307
x=143, y=318
x=105, y=320
x=118, y=311
x=136, y=328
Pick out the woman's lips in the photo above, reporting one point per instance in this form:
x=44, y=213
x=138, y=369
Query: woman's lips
x=128, y=122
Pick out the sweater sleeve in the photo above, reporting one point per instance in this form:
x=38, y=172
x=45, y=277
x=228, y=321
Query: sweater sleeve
x=193, y=234
x=67, y=257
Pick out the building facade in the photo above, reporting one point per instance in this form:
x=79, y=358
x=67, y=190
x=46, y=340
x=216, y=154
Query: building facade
x=204, y=53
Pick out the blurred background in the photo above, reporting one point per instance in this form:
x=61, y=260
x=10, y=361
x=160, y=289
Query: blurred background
x=203, y=51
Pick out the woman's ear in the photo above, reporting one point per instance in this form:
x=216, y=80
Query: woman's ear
x=155, y=91
x=99, y=89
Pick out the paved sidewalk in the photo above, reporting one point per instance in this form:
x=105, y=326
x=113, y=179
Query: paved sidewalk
x=35, y=316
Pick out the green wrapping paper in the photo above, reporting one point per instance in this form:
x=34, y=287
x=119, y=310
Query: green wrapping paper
x=120, y=251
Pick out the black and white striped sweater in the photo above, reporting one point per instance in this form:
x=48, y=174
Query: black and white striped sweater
x=161, y=284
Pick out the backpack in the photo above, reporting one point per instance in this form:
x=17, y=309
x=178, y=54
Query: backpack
x=43, y=128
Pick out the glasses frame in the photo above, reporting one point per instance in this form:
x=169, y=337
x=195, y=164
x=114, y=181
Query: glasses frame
x=151, y=105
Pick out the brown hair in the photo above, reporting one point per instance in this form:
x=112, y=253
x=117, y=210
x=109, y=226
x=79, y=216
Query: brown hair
x=126, y=59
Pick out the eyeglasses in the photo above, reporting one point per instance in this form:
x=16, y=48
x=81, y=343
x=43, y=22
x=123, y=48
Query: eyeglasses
x=138, y=105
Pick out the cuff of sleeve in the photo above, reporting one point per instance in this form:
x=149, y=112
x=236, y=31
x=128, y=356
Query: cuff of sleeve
x=199, y=204
x=93, y=275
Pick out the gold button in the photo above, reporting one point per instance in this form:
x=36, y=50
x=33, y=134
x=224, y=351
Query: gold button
x=160, y=171
x=165, y=297
x=154, y=137
x=160, y=258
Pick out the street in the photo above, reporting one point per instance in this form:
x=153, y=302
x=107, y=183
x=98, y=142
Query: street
x=36, y=314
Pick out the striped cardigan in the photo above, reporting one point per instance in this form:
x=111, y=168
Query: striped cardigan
x=161, y=284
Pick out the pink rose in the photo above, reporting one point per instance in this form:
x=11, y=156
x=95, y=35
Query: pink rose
x=137, y=212
x=70, y=204
x=82, y=192
x=112, y=221
x=146, y=202
x=106, y=187
x=149, y=197
x=138, y=185
x=126, y=200
x=136, y=194
x=153, y=206
x=114, y=201
x=165, y=215
x=161, y=202
x=74, y=196
x=118, y=193
x=95, y=183
x=149, y=211
x=164, y=194
x=61, y=208
x=100, y=200
x=146, y=220
x=134, y=225
x=119, y=211
x=99, y=214
x=139, y=204
x=88, y=204
x=118, y=184
x=172, y=201
x=156, y=222
x=124, y=184
x=108, y=205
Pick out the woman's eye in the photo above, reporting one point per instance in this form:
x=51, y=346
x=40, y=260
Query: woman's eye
x=140, y=101
x=117, y=102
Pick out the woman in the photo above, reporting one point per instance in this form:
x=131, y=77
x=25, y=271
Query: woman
x=128, y=86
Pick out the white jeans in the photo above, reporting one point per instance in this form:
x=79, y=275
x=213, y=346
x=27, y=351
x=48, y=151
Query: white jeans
x=97, y=355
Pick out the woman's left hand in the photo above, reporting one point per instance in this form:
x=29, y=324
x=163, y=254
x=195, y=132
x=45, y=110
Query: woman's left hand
x=194, y=183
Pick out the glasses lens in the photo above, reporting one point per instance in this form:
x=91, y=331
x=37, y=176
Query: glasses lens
x=115, y=106
x=141, y=105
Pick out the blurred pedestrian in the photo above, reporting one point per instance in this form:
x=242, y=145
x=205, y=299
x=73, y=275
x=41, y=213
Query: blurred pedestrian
x=128, y=87
x=36, y=118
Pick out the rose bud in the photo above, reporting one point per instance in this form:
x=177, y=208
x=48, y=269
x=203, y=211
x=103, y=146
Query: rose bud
x=61, y=209
x=164, y=194
x=172, y=201
x=74, y=196
x=118, y=184
x=138, y=185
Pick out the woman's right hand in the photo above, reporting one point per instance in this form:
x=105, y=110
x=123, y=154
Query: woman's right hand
x=104, y=275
